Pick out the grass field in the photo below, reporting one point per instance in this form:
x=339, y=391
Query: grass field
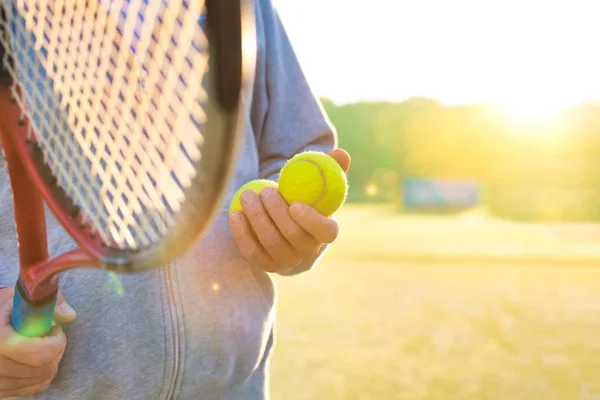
x=382, y=319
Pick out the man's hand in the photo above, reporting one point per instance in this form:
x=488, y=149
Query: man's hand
x=28, y=365
x=276, y=236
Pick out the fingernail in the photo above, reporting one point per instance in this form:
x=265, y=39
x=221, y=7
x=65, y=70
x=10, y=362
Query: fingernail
x=248, y=197
x=66, y=310
x=296, y=209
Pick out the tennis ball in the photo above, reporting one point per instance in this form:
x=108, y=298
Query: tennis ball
x=256, y=185
x=316, y=179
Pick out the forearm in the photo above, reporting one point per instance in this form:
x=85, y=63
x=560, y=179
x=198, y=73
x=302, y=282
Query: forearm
x=287, y=117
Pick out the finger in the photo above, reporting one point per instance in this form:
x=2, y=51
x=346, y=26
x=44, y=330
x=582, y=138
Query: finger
x=303, y=242
x=6, y=294
x=26, y=391
x=12, y=369
x=35, y=352
x=269, y=236
x=342, y=157
x=6, y=304
x=323, y=229
x=49, y=371
x=18, y=383
x=64, y=312
x=248, y=244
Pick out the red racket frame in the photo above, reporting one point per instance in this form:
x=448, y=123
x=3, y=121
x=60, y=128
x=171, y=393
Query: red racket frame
x=38, y=274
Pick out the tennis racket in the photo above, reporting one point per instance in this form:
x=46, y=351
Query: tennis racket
x=124, y=117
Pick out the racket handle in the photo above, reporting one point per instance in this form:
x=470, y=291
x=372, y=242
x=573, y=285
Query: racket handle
x=32, y=319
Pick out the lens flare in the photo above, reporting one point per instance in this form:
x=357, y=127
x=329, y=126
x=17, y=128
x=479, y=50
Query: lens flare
x=371, y=190
x=115, y=283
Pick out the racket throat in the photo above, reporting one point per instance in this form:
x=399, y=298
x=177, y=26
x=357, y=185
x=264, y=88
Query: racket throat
x=41, y=280
x=36, y=292
x=42, y=297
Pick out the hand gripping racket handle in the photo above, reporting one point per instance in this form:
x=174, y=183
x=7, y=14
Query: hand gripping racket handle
x=32, y=319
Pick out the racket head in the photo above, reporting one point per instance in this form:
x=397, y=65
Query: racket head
x=129, y=234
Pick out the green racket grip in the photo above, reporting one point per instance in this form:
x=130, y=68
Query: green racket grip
x=32, y=319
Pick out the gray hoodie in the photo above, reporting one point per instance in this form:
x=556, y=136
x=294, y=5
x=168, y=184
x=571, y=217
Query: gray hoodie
x=201, y=327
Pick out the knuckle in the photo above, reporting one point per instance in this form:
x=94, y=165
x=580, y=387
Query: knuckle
x=292, y=263
x=50, y=370
x=37, y=361
x=239, y=234
x=312, y=252
x=253, y=211
x=269, y=197
x=281, y=261
x=45, y=358
x=252, y=253
x=22, y=392
x=7, y=383
x=31, y=389
x=243, y=237
x=294, y=233
x=332, y=234
x=283, y=254
x=286, y=259
x=270, y=266
x=272, y=239
x=45, y=385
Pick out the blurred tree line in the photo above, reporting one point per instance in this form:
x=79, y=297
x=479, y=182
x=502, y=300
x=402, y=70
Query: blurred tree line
x=529, y=169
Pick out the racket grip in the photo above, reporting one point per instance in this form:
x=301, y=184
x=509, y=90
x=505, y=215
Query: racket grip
x=32, y=319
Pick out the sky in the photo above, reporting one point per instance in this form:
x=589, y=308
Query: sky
x=525, y=54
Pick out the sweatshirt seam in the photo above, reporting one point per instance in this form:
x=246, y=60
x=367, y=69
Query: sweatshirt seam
x=164, y=305
x=178, y=304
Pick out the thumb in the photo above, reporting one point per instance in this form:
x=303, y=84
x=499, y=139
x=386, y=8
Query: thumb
x=342, y=157
x=64, y=312
x=6, y=303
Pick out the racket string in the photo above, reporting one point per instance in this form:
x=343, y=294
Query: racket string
x=98, y=83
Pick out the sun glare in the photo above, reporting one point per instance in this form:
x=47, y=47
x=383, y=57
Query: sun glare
x=530, y=112
x=461, y=54
x=536, y=111
x=533, y=117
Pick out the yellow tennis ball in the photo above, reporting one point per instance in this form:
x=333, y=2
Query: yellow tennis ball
x=316, y=179
x=256, y=185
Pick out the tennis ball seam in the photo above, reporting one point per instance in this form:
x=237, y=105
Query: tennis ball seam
x=301, y=183
x=323, y=180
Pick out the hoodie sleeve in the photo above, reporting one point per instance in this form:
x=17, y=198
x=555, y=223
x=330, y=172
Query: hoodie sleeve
x=287, y=117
